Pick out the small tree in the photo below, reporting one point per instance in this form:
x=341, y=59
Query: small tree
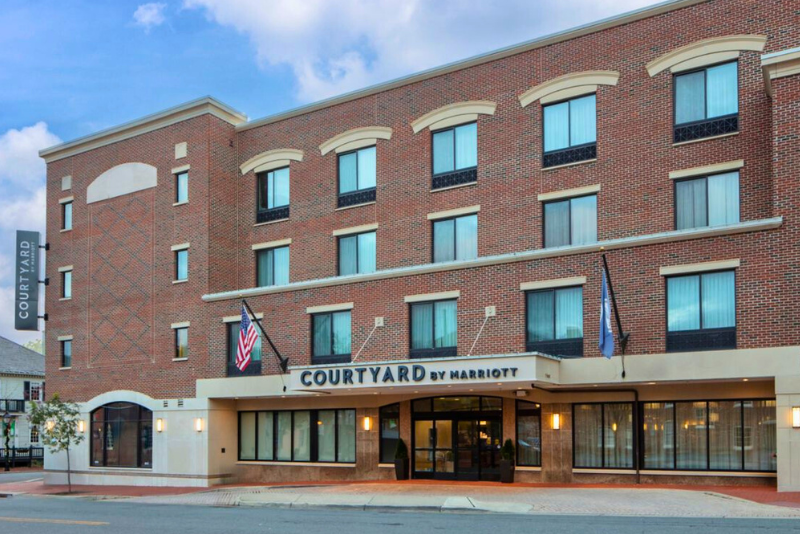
x=507, y=452
x=58, y=424
x=401, y=452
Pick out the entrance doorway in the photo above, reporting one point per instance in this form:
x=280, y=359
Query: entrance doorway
x=457, y=438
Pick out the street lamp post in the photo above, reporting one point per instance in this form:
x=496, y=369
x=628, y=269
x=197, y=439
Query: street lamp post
x=7, y=433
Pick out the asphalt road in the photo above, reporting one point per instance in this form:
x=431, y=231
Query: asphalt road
x=45, y=515
x=18, y=476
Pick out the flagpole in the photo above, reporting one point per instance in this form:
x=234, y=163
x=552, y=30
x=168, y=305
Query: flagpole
x=622, y=336
x=283, y=362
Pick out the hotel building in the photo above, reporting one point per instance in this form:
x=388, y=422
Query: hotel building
x=427, y=255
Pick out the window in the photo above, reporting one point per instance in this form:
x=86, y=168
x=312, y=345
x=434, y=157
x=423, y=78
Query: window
x=570, y=222
x=272, y=267
x=603, y=435
x=272, y=195
x=390, y=432
x=555, y=321
x=357, y=254
x=434, y=329
x=34, y=435
x=570, y=131
x=298, y=436
x=254, y=368
x=181, y=343
x=529, y=434
x=455, y=239
x=122, y=436
x=66, y=216
x=455, y=156
x=706, y=102
x=66, y=353
x=35, y=391
x=357, y=177
x=181, y=264
x=331, y=337
x=66, y=285
x=701, y=312
x=728, y=435
x=707, y=201
x=182, y=187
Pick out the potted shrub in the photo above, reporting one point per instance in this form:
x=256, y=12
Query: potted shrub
x=401, y=460
x=507, y=456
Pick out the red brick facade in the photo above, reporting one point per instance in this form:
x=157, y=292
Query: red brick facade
x=124, y=299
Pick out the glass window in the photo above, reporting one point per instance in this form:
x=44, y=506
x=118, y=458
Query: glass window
x=588, y=435
x=182, y=187
x=122, y=436
x=331, y=333
x=66, y=285
x=699, y=302
x=603, y=435
x=570, y=222
x=529, y=434
x=711, y=201
x=389, y=431
x=455, y=239
x=273, y=189
x=247, y=436
x=181, y=343
x=618, y=435
x=272, y=267
x=433, y=326
x=571, y=123
x=659, y=435
x=455, y=149
x=66, y=353
x=301, y=446
x=357, y=254
x=326, y=436
x=555, y=314
x=691, y=438
x=357, y=170
x=34, y=435
x=265, y=435
x=284, y=437
x=66, y=216
x=233, y=344
x=346, y=436
x=181, y=264
x=707, y=93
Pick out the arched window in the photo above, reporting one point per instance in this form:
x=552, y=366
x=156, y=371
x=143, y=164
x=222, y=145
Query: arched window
x=122, y=436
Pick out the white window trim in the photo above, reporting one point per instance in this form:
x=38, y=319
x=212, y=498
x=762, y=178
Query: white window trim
x=237, y=318
x=272, y=244
x=355, y=138
x=706, y=47
x=271, y=159
x=569, y=193
x=181, y=169
x=699, y=267
x=454, y=213
x=66, y=200
x=707, y=169
x=344, y=306
x=64, y=338
x=551, y=284
x=176, y=326
x=66, y=268
x=182, y=246
x=453, y=115
x=568, y=86
x=425, y=297
x=356, y=229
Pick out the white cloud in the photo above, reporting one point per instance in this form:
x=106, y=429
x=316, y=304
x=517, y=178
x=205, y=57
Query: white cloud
x=20, y=164
x=7, y=319
x=149, y=15
x=335, y=46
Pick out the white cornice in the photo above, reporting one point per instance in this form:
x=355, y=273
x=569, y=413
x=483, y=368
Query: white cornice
x=513, y=257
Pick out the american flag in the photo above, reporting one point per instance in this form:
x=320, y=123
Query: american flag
x=248, y=335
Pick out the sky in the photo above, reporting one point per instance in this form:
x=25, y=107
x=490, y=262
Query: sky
x=69, y=68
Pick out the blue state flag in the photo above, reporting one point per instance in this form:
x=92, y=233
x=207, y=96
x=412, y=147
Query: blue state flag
x=606, y=335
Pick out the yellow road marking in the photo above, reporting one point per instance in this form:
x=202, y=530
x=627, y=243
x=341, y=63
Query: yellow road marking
x=52, y=521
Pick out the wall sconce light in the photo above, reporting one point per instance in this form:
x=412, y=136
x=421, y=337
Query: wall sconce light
x=81, y=426
x=613, y=427
x=198, y=424
x=159, y=425
x=556, y=421
x=367, y=423
x=796, y=417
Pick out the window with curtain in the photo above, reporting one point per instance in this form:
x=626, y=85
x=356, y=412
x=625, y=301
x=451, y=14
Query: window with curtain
x=455, y=239
x=66, y=216
x=658, y=433
x=570, y=222
x=331, y=337
x=182, y=187
x=233, y=345
x=455, y=149
x=272, y=267
x=122, y=436
x=555, y=321
x=706, y=102
x=529, y=434
x=357, y=170
x=701, y=311
x=298, y=436
x=66, y=285
x=181, y=343
x=390, y=431
x=66, y=353
x=357, y=254
x=603, y=435
x=273, y=189
x=707, y=201
x=570, y=131
x=182, y=264
x=434, y=329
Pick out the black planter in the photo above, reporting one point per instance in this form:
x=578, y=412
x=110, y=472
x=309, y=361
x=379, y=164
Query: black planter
x=401, y=469
x=506, y=471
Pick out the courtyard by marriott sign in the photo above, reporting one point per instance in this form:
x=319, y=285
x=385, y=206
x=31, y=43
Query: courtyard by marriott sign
x=26, y=281
x=432, y=372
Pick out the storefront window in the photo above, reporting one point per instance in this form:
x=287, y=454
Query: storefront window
x=603, y=435
x=122, y=436
x=390, y=431
x=529, y=434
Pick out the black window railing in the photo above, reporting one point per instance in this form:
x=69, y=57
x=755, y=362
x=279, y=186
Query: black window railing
x=573, y=154
x=275, y=214
x=453, y=178
x=697, y=340
x=565, y=348
x=706, y=128
x=253, y=369
x=353, y=198
x=12, y=406
x=444, y=352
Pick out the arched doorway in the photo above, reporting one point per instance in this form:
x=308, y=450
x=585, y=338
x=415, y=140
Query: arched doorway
x=457, y=437
x=122, y=436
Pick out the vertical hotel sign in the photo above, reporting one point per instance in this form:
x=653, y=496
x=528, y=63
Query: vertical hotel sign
x=26, y=297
